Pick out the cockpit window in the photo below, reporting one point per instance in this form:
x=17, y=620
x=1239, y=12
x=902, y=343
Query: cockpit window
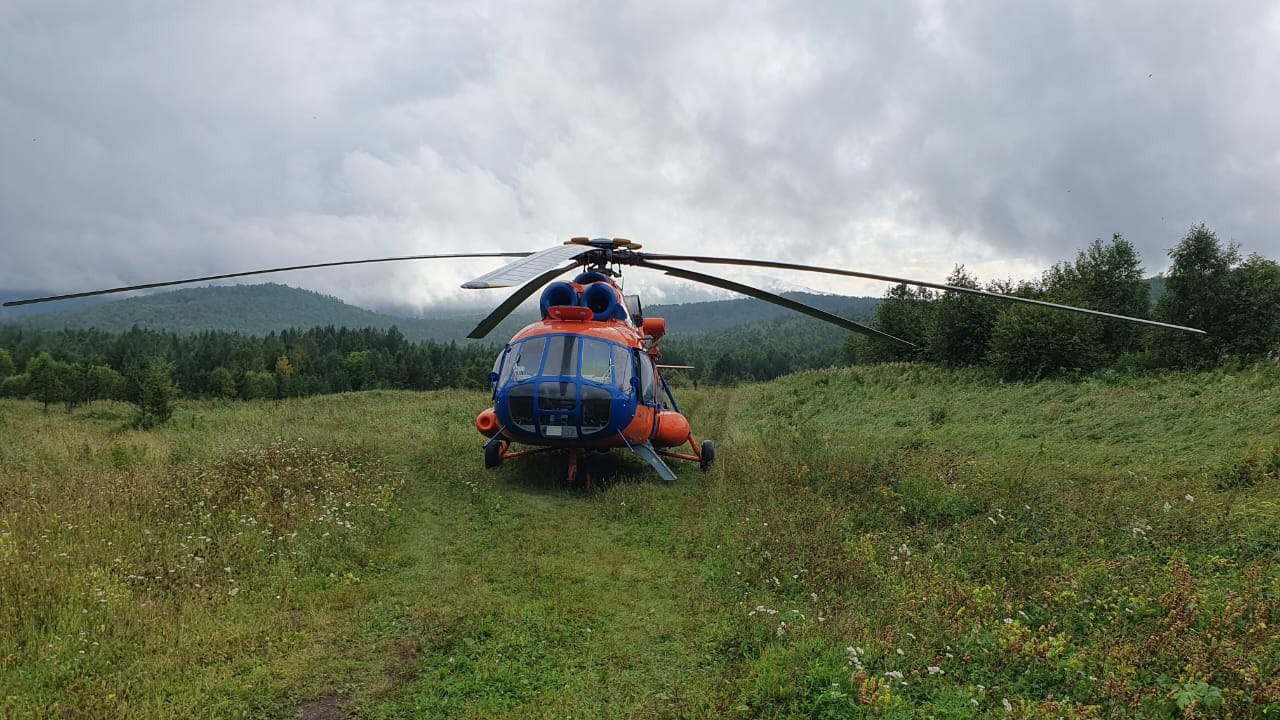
x=622, y=367
x=596, y=361
x=562, y=356
x=523, y=360
x=567, y=356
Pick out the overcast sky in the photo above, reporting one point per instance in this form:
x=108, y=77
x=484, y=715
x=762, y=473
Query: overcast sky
x=147, y=140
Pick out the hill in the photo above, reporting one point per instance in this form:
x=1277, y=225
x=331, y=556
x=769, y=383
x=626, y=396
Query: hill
x=269, y=307
x=246, y=309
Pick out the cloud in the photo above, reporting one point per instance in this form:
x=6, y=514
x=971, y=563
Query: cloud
x=144, y=141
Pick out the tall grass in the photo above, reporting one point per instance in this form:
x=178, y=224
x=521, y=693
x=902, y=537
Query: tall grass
x=917, y=540
x=878, y=542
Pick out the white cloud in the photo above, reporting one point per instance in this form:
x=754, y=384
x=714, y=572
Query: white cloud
x=144, y=142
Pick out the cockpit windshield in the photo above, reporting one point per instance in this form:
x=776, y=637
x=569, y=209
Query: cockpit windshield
x=567, y=356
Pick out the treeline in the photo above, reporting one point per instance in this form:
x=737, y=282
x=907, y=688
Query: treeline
x=758, y=351
x=75, y=367
x=1210, y=286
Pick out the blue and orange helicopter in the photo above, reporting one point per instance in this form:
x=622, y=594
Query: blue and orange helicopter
x=586, y=377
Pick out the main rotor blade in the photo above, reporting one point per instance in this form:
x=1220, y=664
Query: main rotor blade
x=775, y=299
x=920, y=283
x=510, y=304
x=206, y=278
x=531, y=266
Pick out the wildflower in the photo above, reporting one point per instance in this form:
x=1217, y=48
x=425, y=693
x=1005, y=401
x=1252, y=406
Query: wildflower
x=895, y=674
x=1189, y=497
x=1008, y=706
x=934, y=670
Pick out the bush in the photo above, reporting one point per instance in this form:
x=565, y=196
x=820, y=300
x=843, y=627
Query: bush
x=222, y=384
x=1030, y=343
x=259, y=385
x=15, y=386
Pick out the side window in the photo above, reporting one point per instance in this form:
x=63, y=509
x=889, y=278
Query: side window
x=646, y=378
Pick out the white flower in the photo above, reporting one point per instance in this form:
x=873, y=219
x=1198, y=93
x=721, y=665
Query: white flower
x=1008, y=706
x=233, y=592
x=895, y=674
x=1167, y=506
x=1189, y=497
x=934, y=670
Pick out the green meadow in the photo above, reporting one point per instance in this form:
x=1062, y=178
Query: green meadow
x=882, y=542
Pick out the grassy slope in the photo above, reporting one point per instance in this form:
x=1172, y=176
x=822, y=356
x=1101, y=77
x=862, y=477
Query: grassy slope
x=1015, y=538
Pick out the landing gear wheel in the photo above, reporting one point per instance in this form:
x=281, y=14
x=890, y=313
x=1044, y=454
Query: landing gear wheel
x=493, y=453
x=707, y=456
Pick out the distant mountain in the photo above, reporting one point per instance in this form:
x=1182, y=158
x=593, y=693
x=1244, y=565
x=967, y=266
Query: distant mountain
x=40, y=308
x=247, y=309
x=721, y=314
x=269, y=307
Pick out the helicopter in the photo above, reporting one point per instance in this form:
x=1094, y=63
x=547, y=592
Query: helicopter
x=586, y=377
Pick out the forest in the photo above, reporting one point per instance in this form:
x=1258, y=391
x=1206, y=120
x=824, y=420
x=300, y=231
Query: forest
x=1210, y=285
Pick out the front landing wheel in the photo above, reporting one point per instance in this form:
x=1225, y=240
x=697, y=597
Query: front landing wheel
x=493, y=453
x=707, y=456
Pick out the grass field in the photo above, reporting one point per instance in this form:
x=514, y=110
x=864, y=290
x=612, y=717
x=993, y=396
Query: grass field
x=894, y=542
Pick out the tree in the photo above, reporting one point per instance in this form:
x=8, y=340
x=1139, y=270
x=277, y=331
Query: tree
x=359, y=367
x=1106, y=277
x=1252, y=329
x=156, y=393
x=906, y=313
x=1197, y=293
x=286, y=384
x=6, y=364
x=104, y=383
x=75, y=380
x=45, y=379
x=962, y=324
x=1029, y=343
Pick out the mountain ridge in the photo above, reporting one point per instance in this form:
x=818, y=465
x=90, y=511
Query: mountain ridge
x=263, y=308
